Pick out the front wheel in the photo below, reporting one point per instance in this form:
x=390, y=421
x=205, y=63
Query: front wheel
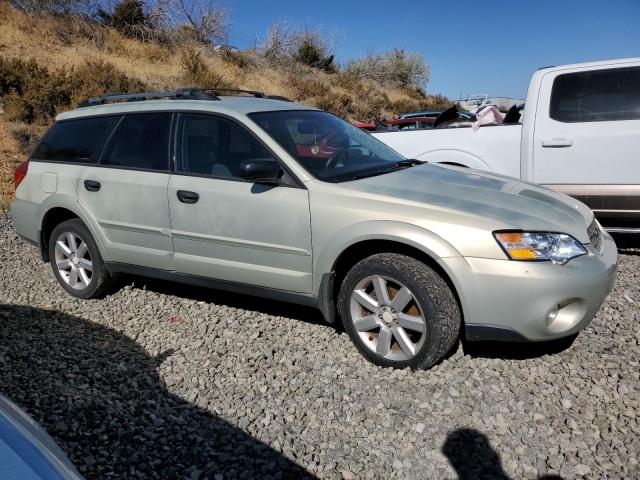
x=76, y=260
x=398, y=311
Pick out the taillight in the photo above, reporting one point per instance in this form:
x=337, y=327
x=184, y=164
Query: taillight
x=20, y=173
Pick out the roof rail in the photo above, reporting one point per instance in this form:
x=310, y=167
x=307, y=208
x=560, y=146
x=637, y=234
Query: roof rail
x=188, y=93
x=184, y=93
x=237, y=90
x=253, y=93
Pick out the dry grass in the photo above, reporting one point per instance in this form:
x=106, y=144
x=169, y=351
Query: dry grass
x=16, y=140
x=63, y=44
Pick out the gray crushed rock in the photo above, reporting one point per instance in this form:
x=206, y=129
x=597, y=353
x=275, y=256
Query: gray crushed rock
x=159, y=380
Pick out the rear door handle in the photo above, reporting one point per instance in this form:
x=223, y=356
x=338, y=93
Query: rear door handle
x=186, y=196
x=91, y=185
x=557, y=143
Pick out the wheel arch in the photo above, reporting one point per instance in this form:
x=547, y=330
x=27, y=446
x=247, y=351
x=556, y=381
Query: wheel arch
x=458, y=158
x=453, y=164
x=53, y=213
x=52, y=217
x=411, y=241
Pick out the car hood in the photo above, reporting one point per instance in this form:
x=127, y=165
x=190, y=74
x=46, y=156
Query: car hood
x=504, y=201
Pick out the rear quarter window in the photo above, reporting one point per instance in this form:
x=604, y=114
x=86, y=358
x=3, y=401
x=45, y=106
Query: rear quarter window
x=596, y=96
x=75, y=141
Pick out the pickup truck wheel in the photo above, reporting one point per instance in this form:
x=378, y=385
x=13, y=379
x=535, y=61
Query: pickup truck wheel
x=398, y=311
x=76, y=261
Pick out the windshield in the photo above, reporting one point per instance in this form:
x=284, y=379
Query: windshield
x=329, y=148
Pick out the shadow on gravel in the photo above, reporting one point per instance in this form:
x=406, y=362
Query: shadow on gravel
x=99, y=395
x=471, y=455
x=229, y=299
x=517, y=350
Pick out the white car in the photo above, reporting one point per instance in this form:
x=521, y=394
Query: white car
x=580, y=135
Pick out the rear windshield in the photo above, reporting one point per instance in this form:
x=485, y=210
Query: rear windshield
x=326, y=146
x=78, y=141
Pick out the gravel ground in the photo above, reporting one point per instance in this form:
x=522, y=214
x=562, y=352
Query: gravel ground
x=165, y=381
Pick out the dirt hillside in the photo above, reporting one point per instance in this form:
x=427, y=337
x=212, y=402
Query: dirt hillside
x=48, y=64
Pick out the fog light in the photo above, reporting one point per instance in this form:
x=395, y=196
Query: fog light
x=565, y=315
x=551, y=316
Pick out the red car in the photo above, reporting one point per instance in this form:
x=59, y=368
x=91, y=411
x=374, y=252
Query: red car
x=322, y=147
x=371, y=126
x=411, y=123
x=399, y=123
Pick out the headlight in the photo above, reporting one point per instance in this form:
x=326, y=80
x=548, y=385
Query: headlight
x=533, y=246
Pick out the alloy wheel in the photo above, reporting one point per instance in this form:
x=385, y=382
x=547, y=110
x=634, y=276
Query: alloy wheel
x=388, y=318
x=73, y=260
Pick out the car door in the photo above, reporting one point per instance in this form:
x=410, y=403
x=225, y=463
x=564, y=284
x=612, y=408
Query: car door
x=226, y=228
x=125, y=195
x=586, y=139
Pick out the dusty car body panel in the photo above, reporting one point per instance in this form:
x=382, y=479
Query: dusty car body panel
x=447, y=213
x=477, y=199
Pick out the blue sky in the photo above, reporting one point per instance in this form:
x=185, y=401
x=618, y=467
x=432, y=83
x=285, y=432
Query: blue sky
x=472, y=46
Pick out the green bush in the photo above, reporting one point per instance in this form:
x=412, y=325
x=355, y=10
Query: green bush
x=128, y=17
x=35, y=94
x=309, y=53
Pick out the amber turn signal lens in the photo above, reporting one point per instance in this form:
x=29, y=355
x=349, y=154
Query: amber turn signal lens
x=522, y=253
x=512, y=237
x=512, y=242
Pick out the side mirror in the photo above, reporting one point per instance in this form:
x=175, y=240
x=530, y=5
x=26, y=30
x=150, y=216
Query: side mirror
x=261, y=170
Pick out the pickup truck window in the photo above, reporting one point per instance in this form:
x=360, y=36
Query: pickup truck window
x=596, y=96
x=329, y=148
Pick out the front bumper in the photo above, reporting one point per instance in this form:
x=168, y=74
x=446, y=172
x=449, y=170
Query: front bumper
x=511, y=300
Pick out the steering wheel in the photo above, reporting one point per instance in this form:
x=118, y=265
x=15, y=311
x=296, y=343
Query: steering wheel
x=332, y=162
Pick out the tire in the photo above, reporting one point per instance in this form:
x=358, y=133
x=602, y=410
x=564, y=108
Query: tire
x=76, y=260
x=418, y=318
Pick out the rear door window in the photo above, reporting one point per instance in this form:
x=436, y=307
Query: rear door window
x=75, y=141
x=140, y=141
x=596, y=96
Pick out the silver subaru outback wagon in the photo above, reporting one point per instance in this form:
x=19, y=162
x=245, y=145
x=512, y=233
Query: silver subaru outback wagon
x=260, y=195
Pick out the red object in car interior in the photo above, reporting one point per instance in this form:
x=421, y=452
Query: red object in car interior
x=20, y=173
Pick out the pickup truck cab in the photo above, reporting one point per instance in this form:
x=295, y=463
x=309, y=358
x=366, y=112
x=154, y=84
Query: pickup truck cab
x=580, y=135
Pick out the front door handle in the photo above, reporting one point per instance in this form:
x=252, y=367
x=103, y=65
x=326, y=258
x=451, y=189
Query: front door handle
x=91, y=185
x=186, y=196
x=557, y=143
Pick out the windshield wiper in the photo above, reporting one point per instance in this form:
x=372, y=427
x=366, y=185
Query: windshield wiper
x=402, y=164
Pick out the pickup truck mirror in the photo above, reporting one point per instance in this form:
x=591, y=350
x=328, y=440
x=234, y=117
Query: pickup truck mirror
x=261, y=170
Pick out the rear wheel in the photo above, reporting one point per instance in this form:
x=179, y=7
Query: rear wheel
x=76, y=261
x=398, y=311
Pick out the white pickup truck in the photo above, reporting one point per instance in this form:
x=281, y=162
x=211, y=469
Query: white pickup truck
x=580, y=135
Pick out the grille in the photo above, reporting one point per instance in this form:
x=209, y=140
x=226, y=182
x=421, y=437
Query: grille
x=594, y=235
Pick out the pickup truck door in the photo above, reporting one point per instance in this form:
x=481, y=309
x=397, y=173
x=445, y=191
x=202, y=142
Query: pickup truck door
x=226, y=228
x=587, y=138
